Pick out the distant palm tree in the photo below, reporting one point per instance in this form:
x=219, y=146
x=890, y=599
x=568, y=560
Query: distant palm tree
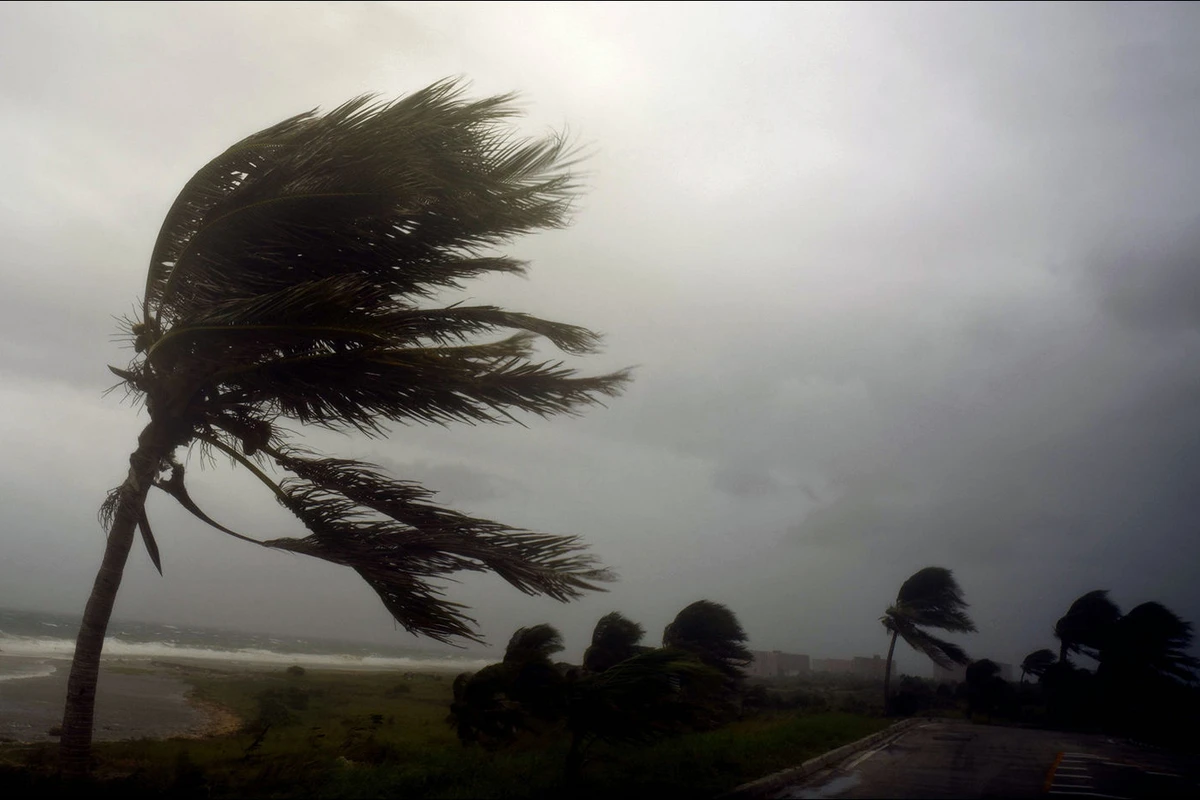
x=712, y=632
x=295, y=280
x=931, y=598
x=1087, y=625
x=1036, y=663
x=650, y=694
x=616, y=638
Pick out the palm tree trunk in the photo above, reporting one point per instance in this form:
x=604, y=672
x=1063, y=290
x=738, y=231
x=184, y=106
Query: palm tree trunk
x=887, y=676
x=76, y=743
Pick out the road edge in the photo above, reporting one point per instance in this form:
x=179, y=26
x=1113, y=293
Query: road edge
x=777, y=780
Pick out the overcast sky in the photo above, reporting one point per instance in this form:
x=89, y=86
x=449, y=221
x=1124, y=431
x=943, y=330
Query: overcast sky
x=906, y=285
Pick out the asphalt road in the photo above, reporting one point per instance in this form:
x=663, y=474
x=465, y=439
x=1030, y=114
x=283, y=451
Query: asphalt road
x=961, y=760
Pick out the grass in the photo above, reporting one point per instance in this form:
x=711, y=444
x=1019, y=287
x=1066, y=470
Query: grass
x=339, y=734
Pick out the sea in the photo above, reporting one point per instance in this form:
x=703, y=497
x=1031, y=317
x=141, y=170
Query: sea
x=37, y=644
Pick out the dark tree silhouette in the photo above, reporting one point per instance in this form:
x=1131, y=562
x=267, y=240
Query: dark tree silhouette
x=985, y=687
x=650, y=694
x=1149, y=642
x=294, y=280
x=1036, y=663
x=493, y=705
x=931, y=598
x=712, y=632
x=615, y=638
x=1086, y=626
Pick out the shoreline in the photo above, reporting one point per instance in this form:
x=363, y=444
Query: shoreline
x=136, y=698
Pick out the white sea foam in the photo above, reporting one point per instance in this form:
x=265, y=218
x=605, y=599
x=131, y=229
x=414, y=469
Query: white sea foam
x=117, y=648
x=44, y=672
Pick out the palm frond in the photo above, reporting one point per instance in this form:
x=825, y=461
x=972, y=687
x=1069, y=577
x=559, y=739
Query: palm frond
x=360, y=389
x=931, y=597
x=944, y=654
x=1153, y=638
x=614, y=639
x=1037, y=662
x=1088, y=623
x=712, y=632
x=175, y=487
x=535, y=643
x=148, y=539
x=389, y=532
x=425, y=180
x=655, y=693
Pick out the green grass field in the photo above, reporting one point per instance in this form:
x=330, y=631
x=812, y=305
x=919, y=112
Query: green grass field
x=345, y=734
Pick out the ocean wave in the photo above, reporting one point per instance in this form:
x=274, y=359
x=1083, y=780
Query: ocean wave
x=117, y=648
x=44, y=672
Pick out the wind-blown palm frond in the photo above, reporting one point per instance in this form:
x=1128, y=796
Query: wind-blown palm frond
x=1151, y=639
x=1037, y=662
x=389, y=533
x=712, y=632
x=614, y=639
x=535, y=643
x=651, y=694
x=1087, y=625
x=944, y=654
x=931, y=597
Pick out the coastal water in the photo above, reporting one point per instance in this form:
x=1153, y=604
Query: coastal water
x=36, y=644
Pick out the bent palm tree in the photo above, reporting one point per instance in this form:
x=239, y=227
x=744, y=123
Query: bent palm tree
x=1036, y=663
x=615, y=638
x=1151, y=641
x=931, y=598
x=713, y=634
x=1087, y=625
x=294, y=280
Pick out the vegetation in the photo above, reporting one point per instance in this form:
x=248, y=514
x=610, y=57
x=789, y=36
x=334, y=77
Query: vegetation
x=293, y=282
x=1144, y=684
x=624, y=693
x=713, y=634
x=931, y=598
x=378, y=735
x=1036, y=663
x=1085, y=627
x=614, y=639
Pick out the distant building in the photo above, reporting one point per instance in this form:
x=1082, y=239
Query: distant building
x=836, y=666
x=958, y=674
x=775, y=664
x=955, y=674
x=868, y=667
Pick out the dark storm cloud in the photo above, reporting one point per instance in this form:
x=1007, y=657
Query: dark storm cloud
x=907, y=284
x=456, y=484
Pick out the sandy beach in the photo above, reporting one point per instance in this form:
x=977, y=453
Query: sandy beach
x=128, y=706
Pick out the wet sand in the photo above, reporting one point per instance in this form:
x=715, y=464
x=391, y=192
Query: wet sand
x=128, y=706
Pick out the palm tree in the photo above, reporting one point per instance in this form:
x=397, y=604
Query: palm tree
x=1036, y=663
x=615, y=638
x=711, y=632
x=1087, y=625
x=652, y=693
x=492, y=705
x=931, y=598
x=295, y=280
x=1151, y=641
x=649, y=695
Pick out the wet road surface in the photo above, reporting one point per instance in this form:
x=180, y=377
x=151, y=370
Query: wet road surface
x=945, y=759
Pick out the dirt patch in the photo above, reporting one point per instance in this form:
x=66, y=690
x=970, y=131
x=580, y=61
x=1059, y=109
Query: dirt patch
x=218, y=720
